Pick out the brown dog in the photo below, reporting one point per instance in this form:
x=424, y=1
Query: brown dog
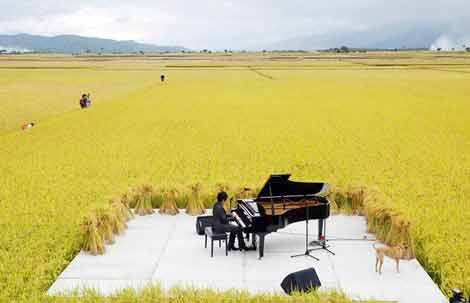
x=395, y=252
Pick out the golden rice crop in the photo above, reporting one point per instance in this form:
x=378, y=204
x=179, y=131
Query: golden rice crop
x=403, y=131
x=154, y=293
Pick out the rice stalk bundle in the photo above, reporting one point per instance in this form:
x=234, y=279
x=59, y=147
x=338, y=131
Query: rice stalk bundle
x=168, y=206
x=144, y=200
x=340, y=201
x=105, y=218
x=221, y=186
x=382, y=223
x=387, y=232
x=158, y=196
x=131, y=197
x=120, y=206
x=334, y=196
x=373, y=211
x=93, y=241
x=118, y=226
x=117, y=216
x=243, y=192
x=356, y=196
x=120, y=218
x=124, y=206
x=195, y=206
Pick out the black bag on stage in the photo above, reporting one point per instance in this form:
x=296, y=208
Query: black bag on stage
x=303, y=280
x=202, y=222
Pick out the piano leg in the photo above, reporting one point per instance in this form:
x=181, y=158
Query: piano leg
x=320, y=230
x=261, y=245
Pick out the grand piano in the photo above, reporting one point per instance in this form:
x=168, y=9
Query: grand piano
x=279, y=203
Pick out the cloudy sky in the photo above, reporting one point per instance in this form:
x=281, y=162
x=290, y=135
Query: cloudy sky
x=219, y=24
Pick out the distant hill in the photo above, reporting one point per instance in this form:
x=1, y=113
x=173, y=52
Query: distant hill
x=77, y=44
x=379, y=38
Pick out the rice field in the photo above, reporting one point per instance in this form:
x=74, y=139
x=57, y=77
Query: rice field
x=154, y=293
x=397, y=123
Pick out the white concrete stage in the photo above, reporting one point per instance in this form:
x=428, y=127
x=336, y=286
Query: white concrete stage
x=166, y=250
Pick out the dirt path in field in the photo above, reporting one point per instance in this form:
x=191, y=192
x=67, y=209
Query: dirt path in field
x=448, y=70
x=266, y=76
x=52, y=67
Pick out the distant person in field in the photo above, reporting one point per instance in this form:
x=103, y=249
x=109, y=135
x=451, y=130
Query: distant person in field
x=85, y=101
x=222, y=224
x=27, y=125
x=162, y=77
x=88, y=100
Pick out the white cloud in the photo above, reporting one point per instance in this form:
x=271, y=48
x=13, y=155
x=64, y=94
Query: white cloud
x=448, y=42
x=220, y=23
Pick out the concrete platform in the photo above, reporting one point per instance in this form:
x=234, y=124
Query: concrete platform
x=167, y=250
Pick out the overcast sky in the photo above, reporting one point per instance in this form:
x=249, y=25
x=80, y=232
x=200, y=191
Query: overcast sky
x=219, y=24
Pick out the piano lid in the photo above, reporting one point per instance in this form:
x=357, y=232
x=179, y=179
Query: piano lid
x=280, y=186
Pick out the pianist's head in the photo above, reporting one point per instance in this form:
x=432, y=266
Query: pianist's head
x=222, y=196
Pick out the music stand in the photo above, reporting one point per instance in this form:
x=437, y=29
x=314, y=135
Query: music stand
x=307, y=250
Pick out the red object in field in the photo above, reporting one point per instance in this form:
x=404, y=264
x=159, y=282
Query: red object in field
x=322, y=238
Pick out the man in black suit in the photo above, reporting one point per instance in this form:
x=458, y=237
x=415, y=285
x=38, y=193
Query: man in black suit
x=221, y=223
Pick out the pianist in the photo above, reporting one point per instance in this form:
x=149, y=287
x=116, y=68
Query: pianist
x=222, y=223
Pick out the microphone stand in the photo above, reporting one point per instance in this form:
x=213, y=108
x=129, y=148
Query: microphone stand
x=307, y=250
x=321, y=242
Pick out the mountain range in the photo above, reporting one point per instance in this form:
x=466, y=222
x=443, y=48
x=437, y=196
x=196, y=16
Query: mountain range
x=391, y=37
x=77, y=44
x=385, y=37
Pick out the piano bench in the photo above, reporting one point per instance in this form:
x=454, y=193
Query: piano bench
x=209, y=232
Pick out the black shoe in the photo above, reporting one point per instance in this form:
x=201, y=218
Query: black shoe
x=242, y=246
x=232, y=247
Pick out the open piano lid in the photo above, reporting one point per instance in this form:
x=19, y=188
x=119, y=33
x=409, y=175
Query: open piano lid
x=280, y=186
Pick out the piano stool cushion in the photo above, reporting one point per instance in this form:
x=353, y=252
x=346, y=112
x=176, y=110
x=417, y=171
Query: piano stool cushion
x=209, y=232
